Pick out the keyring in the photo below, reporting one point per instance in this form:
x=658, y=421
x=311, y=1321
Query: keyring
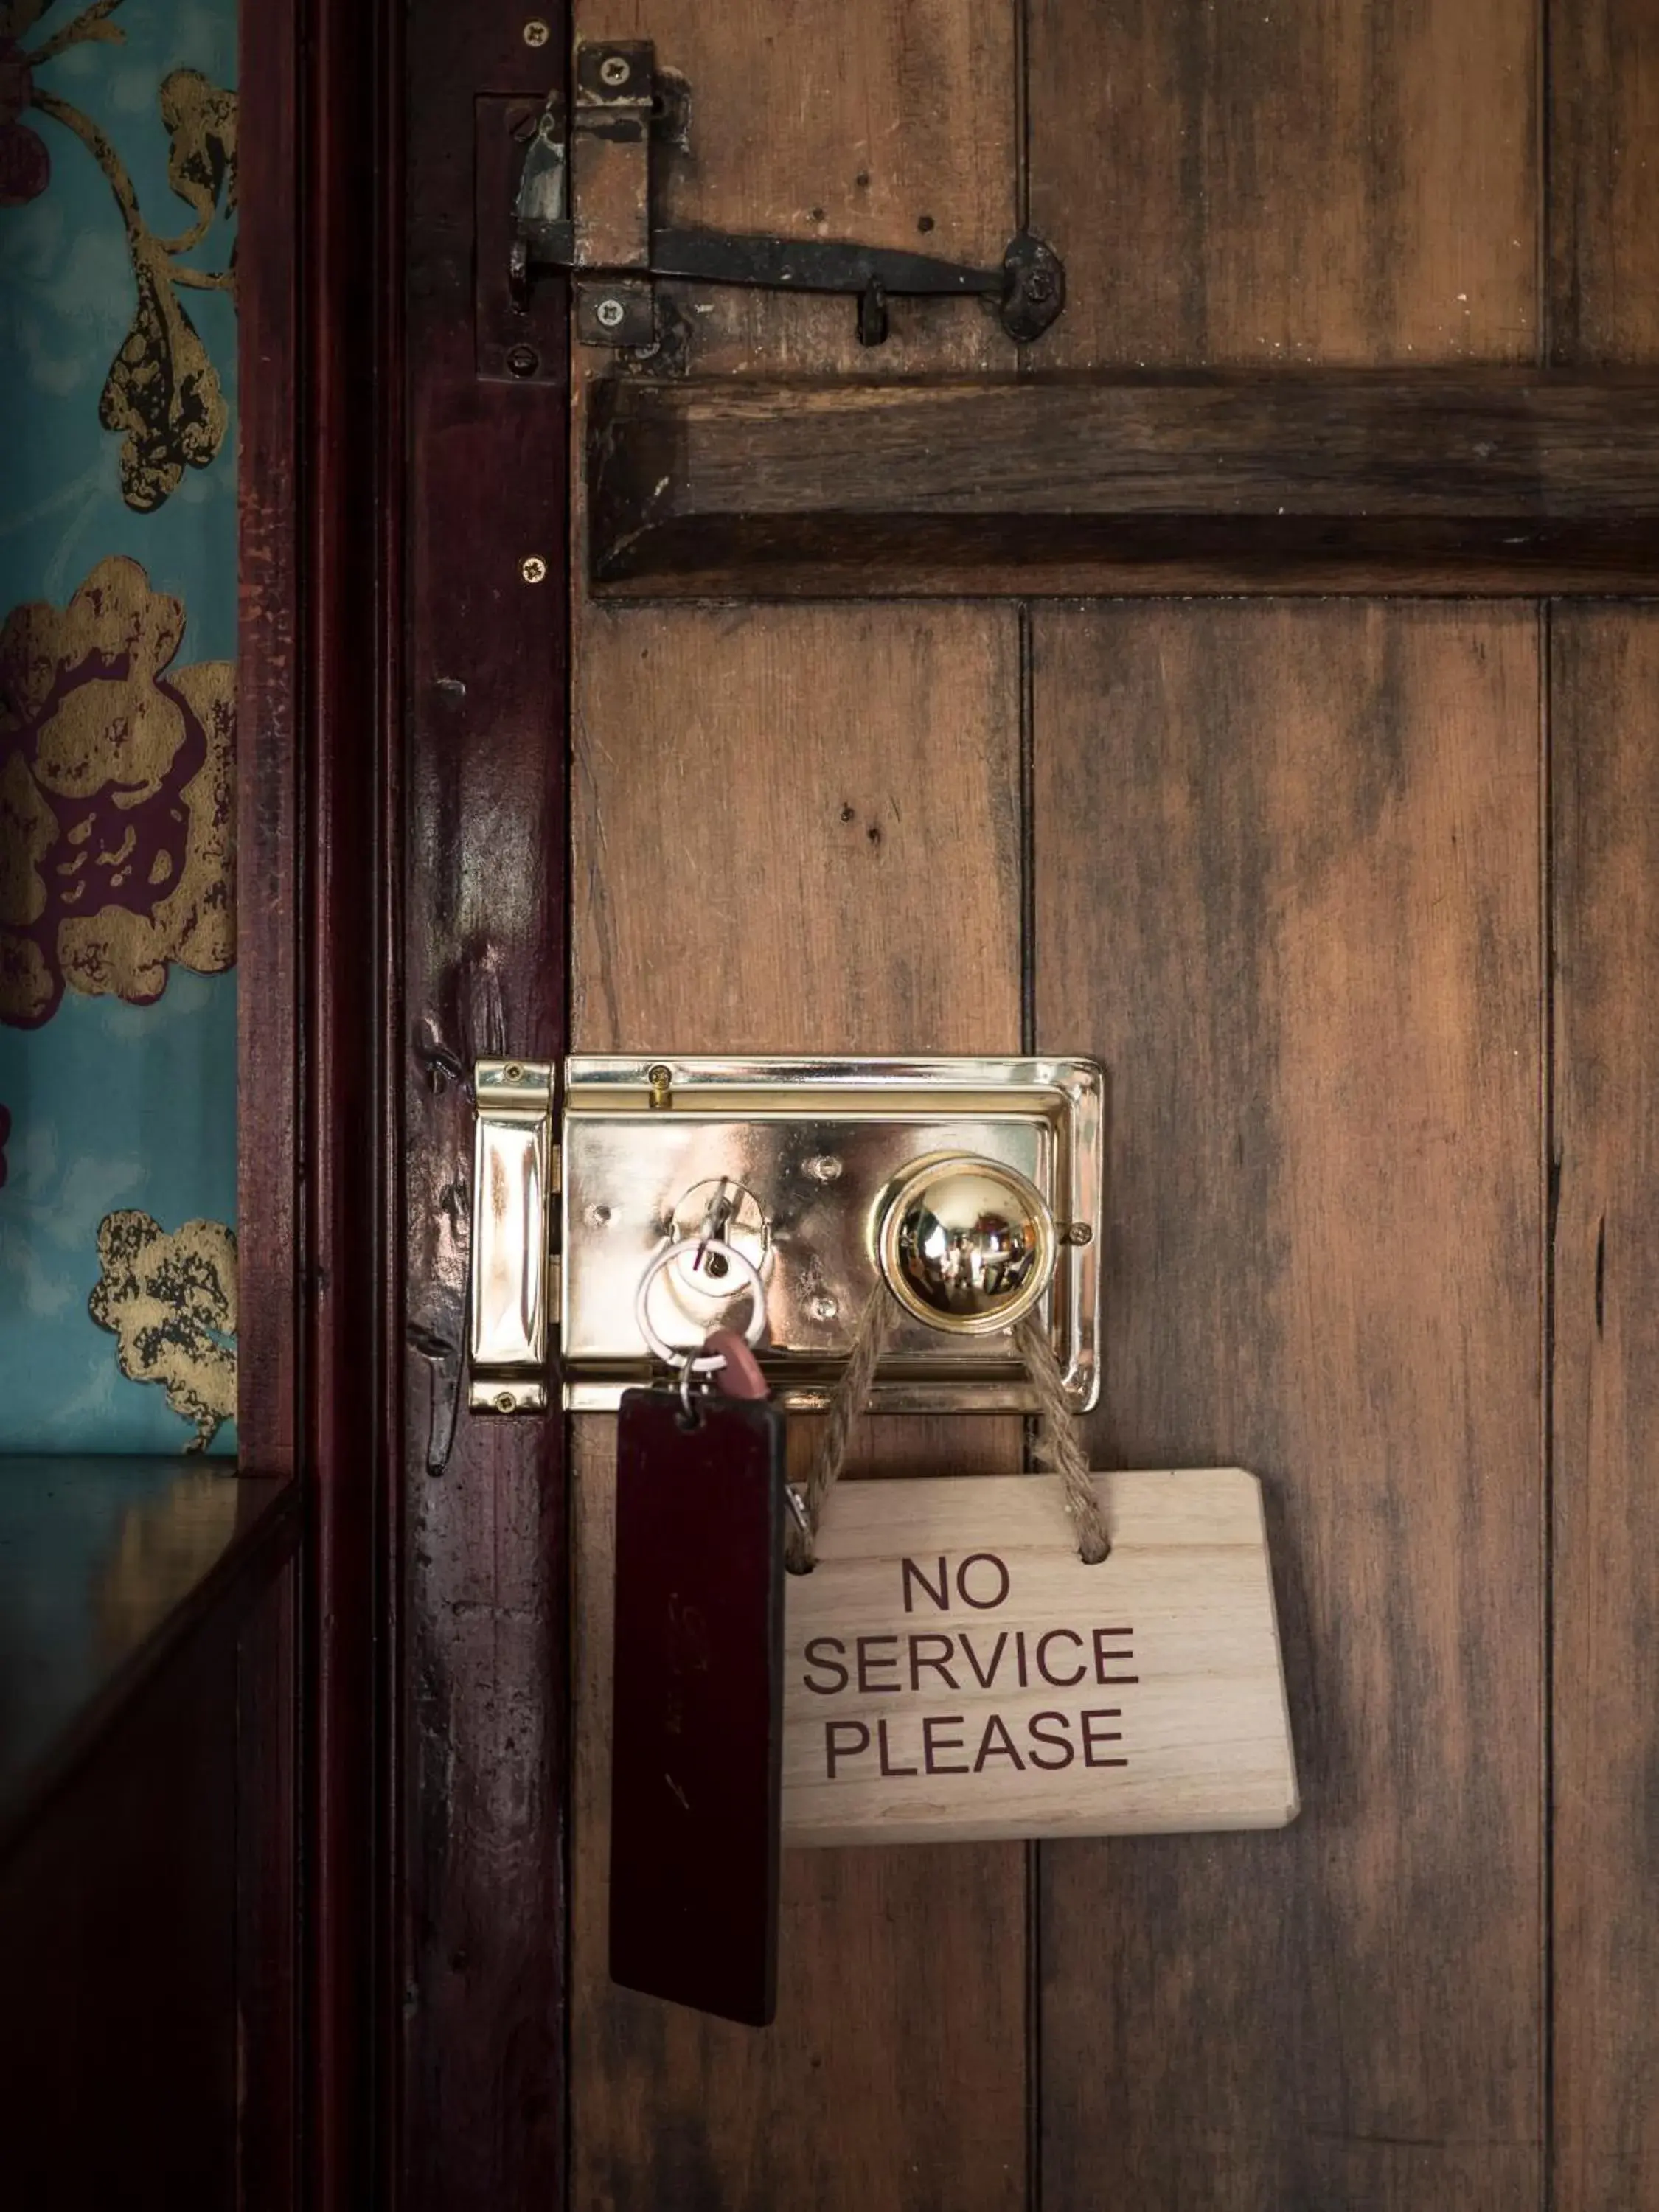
x=711, y=1362
x=688, y=1404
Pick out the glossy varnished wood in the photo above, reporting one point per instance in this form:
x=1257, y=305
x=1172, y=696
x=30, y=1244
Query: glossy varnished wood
x=317, y=687
x=147, y=1835
x=1342, y=480
x=484, y=1561
x=1286, y=867
x=105, y=1565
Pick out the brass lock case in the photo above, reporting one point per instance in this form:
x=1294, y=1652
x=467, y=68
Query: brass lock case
x=974, y=1185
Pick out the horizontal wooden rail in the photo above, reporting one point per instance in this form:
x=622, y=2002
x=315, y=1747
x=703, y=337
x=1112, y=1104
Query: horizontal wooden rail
x=1483, y=480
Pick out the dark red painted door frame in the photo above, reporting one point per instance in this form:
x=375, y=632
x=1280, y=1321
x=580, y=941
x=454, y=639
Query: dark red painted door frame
x=402, y=842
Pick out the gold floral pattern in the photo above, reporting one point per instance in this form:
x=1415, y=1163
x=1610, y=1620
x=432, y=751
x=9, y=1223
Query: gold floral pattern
x=162, y=393
x=116, y=798
x=170, y=1302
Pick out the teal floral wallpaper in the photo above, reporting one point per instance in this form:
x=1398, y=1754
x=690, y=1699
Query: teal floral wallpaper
x=117, y=632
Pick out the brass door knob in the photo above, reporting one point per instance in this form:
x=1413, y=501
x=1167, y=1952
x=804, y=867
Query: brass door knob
x=965, y=1244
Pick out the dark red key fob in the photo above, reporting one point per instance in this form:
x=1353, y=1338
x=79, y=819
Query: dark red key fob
x=697, y=1718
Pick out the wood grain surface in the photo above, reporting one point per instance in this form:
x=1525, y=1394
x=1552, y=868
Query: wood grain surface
x=825, y=858
x=890, y=125
x=1287, y=873
x=1290, y=183
x=1604, y=741
x=483, y=1645
x=800, y=831
x=1603, y=305
x=954, y=1670
x=1286, y=866
x=1602, y=247
x=1448, y=480
x=1285, y=877
x=318, y=503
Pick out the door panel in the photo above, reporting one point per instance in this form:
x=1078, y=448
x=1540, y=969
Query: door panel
x=1287, y=871
x=893, y=124
x=1603, y=743
x=1307, y=181
x=1281, y=863
x=1604, y=258
x=798, y=831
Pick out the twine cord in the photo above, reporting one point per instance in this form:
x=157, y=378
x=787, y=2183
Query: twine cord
x=1059, y=1444
x=852, y=1394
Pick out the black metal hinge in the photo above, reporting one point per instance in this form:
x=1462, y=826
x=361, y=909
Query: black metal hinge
x=587, y=205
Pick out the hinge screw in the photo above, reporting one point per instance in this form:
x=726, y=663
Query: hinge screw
x=523, y=359
x=609, y=314
x=505, y=1401
x=614, y=70
x=661, y=1080
x=534, y=569
x=536, y=32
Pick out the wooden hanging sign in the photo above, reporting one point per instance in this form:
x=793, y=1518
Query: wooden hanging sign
x=952, y=1668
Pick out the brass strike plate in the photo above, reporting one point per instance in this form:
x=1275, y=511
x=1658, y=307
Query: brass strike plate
x=802, y=1157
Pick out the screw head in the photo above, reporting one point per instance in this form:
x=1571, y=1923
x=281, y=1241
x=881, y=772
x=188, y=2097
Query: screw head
x=609, y=314
x=513, y=1071
x=523, y=359
x=615, y=71
x=534, y=569
x=823, y=1307
x=1040, y=287
x=823, y=1167
x=1078, y=1233
x=536, y=32
x=505, y=1401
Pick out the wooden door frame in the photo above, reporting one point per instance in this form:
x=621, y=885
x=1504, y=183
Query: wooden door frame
x=432, y=2012
x=318, y=698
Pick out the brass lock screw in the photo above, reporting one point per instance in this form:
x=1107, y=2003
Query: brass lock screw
x=534, y=569
x=536, y=32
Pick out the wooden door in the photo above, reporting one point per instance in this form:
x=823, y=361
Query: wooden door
x=1353, y=897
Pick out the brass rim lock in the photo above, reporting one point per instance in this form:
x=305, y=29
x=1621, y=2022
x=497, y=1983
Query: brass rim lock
x=780, y=1196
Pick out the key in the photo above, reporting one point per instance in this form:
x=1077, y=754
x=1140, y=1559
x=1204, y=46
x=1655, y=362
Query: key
x=697, y=1724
